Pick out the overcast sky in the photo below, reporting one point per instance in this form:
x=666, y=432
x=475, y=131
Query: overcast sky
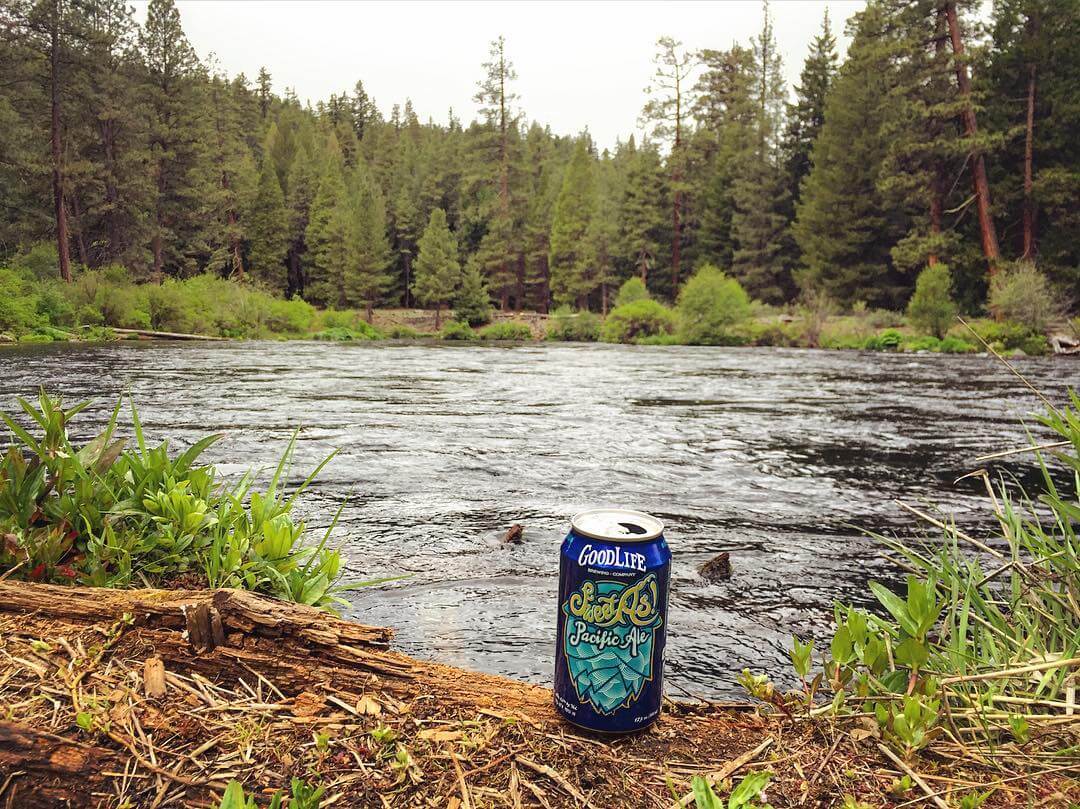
x=580, y=64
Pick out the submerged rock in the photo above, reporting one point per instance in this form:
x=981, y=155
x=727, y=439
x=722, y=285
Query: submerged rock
x=717, y=569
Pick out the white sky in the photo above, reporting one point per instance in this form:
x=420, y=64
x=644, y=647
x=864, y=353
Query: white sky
x=580, y=64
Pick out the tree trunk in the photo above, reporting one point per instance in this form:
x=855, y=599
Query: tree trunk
x=296, y=279
x=408, y=281
x=80, y=240
x=369, y=312
x=112, y=225
x=1029, y=160
x=603, y=299
x=56, y=142
x=438, y=316
x=234, y=248
x=982, y=186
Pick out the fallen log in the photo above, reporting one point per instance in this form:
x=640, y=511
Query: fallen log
x=166, y=335
x=157, y=698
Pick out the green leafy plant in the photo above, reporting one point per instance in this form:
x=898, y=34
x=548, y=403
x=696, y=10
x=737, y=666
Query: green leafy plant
x=567, y=325
x=747, y=794
x=931, y=308
x=1023, y=295
x=457, y=330
x=710, y=305
x=631, y=291
x=111, y=515
x=632, y=321
x=302, y=796
x=507, y=330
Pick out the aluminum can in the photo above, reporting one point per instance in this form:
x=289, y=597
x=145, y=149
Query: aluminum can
x=614, y=572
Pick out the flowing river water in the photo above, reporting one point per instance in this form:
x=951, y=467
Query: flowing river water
x=780, y=457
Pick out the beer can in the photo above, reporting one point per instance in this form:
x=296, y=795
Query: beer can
x=614, y=572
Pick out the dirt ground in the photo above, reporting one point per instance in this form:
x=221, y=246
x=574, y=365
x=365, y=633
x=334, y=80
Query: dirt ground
x=160, y=698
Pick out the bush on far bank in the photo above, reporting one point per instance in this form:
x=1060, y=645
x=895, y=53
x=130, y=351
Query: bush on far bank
x=573, y=326
x=640, y=319
x=710, y=306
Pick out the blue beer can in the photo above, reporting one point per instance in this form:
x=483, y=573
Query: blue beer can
x=614, y=571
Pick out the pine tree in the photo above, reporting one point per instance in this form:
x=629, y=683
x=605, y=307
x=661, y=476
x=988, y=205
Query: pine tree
x=438, y=271
x=472, y=304
x=263, y=92
x=603, y=231
x=231, y=184
x=807, y=115
x=176, y=140
x=268, y=230
x=671, y=98
x=369, y=254
x=328, y=234
x=842, y=226
x=759, y=220
x=1030, y=92
x=573, y=276
x=643, y=231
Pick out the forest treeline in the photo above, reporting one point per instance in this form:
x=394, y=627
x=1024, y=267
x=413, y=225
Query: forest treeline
x=942, y=138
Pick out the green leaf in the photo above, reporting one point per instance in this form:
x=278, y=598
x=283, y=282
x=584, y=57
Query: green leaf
x=897, y=608
x=704, y=796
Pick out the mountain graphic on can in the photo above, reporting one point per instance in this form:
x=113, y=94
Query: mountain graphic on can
x=614, y=571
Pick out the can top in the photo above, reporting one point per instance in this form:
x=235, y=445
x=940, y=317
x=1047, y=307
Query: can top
x=617, y=525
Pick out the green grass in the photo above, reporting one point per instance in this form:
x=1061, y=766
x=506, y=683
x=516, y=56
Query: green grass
x=117, y=512
x=984, y=639
x=507, y=330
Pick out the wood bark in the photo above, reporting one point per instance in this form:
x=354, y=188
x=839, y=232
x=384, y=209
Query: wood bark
x=982, y=187
x=57, y=145
x=1029, y=160
x=45, y=771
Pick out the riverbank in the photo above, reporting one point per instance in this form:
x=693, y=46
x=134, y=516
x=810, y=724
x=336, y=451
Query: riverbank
x=875, y=331
x=159, y=698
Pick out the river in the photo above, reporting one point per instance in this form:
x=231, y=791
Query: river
x=780, y=456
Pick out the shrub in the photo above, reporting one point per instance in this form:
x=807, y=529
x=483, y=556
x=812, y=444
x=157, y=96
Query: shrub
x=108, y=516
x=402, y=332
x=456, y=330
x=507, y=330
x=1008, y=336
x=1023, y=295
x=293, y=316
x=931, y=308
x=566, y=324
x=955, y=345
x=632, y=290
x=816, y=307
x=642, y=318
x=925, y=342
x=888, y=340
x=771, y=334
x=40, y=261
x=710, y=304
x=670, y=340
x=18, y=303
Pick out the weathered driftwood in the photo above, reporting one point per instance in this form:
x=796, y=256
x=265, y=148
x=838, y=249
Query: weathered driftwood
x=166, y=335
x=45, y=770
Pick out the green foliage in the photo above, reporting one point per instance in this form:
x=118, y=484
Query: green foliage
x=632, y=290
x=456, y=330
x=951, y=645
x=438, y=272
x=106, y=514
x=710, y=305
x=507, y=330
x=303, y=796
x=567, y=325
x=931, y=307
x=642, y=318
x=888, y=340
x=346, y=334
x=747, y=794
x=471, y=303
x=1022, y=294
x=1010, y=336
x=573, y=273
x=800, y=656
